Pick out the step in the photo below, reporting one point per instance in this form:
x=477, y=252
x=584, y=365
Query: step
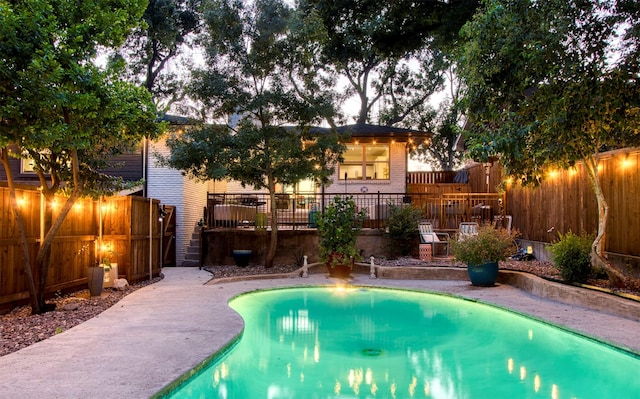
x=189, y=256
x=190, y=263
x=193, y=251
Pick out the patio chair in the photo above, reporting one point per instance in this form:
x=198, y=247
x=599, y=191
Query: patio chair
x=429, y=236
x=467, y=229
x=503, y=221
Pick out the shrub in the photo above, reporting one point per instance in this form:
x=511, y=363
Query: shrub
x=338, y=228
x=491, y=244
x=403, y=228
x=571, y=255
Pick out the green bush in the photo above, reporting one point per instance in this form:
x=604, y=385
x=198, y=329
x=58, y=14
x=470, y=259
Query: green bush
x=572, y=256
x=489, y=245
x=338, y=228
x=402, y=224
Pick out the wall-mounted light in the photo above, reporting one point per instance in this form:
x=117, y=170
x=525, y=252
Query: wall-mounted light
x=626, y=162
x=21, y=201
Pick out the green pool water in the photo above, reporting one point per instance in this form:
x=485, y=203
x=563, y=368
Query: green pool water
x=382, y=343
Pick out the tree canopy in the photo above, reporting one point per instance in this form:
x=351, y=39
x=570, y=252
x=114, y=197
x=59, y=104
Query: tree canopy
x=390, y=53
x=154, y=47
x=56, y=107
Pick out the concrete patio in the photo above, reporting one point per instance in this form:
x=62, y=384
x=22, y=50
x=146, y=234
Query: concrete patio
x=161, y=331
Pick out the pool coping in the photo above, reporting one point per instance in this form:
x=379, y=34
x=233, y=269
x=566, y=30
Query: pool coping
x=585, y=296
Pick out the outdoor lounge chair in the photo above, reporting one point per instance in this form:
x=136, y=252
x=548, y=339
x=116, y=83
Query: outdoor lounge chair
x=503, y=221
x=429, y=236
x=467, y=229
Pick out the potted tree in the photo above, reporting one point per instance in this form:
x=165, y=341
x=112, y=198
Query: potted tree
x=483, y=251
x=338, y=228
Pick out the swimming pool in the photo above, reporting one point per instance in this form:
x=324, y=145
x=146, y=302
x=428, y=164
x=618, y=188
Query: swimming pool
x=326, y=342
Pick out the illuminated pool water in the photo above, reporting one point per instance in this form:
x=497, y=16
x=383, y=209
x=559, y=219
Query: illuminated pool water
x=382, y=343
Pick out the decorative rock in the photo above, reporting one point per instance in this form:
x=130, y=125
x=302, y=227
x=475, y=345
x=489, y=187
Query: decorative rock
x=120, y=284
x=71, y=306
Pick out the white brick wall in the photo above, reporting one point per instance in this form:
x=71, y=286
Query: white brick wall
x=397, y=182
x=172, y=188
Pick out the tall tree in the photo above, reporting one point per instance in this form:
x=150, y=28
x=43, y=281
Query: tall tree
x=445, y=122
x=60, y=110
x=260, y=68
x=169, y=29
x=390, y=53
x=544, y=90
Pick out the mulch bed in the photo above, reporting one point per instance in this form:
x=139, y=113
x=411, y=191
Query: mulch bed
x=19, y=328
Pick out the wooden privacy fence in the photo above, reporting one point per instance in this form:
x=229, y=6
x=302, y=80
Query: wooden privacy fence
x=126, y=222
x=565, y=201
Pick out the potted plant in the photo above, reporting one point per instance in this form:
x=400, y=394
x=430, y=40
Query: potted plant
x=483, y=251
x=110, y=272
x=338, y=228
x=95, y=279
x=242, y=257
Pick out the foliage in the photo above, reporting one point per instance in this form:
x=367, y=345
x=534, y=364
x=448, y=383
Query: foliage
x=151, y=50
x=403, y=228
x=441, y=151
x=571, y=255
x=490, y=245
x=549, y=99
x=377, y=45
x=259, y=71
x=545, y=88
x=338, y=228
x=61, y=110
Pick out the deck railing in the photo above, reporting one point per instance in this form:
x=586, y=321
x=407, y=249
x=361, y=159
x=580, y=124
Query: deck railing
x=299, y=210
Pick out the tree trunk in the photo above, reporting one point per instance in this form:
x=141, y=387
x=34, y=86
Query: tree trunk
x=43, y=259
x=26, y=259
x=598, y=259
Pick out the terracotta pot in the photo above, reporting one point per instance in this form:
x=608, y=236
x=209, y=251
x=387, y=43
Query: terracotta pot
x=340, y=266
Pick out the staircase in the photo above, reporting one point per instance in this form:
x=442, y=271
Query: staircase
x=192, y=255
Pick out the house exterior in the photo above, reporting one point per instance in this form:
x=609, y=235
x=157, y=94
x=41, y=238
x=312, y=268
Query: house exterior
x=376, y=160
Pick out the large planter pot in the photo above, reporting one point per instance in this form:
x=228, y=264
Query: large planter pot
x=95, y=278
x=242, y=257
x=340, y=266
x=484, y=275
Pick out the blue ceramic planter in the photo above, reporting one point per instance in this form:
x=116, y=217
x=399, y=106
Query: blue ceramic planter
x=484, y=275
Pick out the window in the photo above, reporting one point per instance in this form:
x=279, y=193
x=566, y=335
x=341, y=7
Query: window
x=365, y=162
x=26, y=165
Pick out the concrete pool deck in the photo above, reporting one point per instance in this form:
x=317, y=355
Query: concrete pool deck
x=157, y=333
